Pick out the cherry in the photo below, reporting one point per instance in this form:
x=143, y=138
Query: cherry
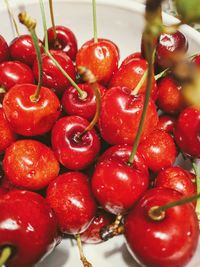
x=196, y=60
x=52, y=76
x=133, y=56
x=120, y=116
x=159, y=150
x=28, y=117
x=187, y=131
x=73, y=104
x=65, y=40
x=168, y=240
x=166, y=123
x=6, y=132
x=30, y=164
x=22, y=49
x=170, y=98
x=70, y=197
x=14, y=72
x=28, y=228
x=4, y=51
x=92, y=234
x=100, y=57
x=73, y=150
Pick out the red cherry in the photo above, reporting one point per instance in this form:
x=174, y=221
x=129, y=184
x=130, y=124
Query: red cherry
x=30, y=118
x=4, y=51
x=120, y=116
x=169, y=242
x=136, y=55
x=159, y=150
x=187, y=131
x=30, y=164
x=22, y=49
x=170, y=98
x=6, y=133
x=73, y=152
x=92, y=233
x=101, y=58
x=70, y=197
x=14, y=72
x=66, y=40
x=166, y=123
x=28, y=226
x=52, y=76
x=196, y=60
x=74, y=105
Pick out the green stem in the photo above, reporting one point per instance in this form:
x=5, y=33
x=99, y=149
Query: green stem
x=85, y=262
x=52, y=19
x=44, y=25
x=140, y=84
x=5, y=255
x=196, y=168
x=94, y=20
x=161, y=74
x=12, y=17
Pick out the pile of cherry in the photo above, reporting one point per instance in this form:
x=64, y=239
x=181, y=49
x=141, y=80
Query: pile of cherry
x=60, y=177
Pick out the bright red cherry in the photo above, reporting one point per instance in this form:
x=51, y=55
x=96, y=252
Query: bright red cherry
x=73, y=151
x=187, y=131
x=4, y=51
x=159, y=150
x=166, y=123
x=65, y=40
x=28, y=226
x=120, y=116
x=70, y=197
x=100, y=57
x=27, y=117
x=14, y=72
x=22, y=49
x=196, y=60
x=136, y=55
x=30, y=164
x=166, y=241
x=52, y=76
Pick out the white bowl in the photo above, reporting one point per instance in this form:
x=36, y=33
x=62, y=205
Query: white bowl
x=121, y=21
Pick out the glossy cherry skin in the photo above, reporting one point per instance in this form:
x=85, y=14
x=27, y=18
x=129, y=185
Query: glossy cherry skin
x=28, y=225
x=170, y=98
x=133, y=56
x=166, y=123
x=14, y=72
x=71, y=198
x=176, y=178
x=6, y=132
x=170, y=242
x=30, y=118
x=52, y=76
x=170, y=48
x=130, y=74
x=4, y=51
x=117, y=186
x=72, y=152
x=101, y=58
x=187, y=131
x=66, y=40
x=159, y=150
x=22, y=49
x=92, y=234
x=74, y=105
x=30, y=164
x=120, y=116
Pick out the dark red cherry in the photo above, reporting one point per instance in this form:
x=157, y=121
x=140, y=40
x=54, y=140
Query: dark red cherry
x=73, y=151
x=166, y=123
x=168, y=242
x=187, y=131
x=28, y=226
x=30, y=164
x=120, y=116
x=14, y=72
x=22, y=49
x=65, y=40
x=70, y=197
x=27, y=117
x=4, y=51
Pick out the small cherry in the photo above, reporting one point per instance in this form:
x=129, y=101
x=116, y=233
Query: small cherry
x=4, y=51
x=166, y=123
x=133, y=56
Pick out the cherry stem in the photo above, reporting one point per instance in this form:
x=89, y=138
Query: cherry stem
x=161, y=74
x=82, y=94
x=52, y=20
x=12, y=17
x=89, y=78
x=114, y=229
x=140, y=84
x=94, y=5
x=2, y=90
x=85, y=262
x=5, y=255
x=196, y=168
x=30, y=24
